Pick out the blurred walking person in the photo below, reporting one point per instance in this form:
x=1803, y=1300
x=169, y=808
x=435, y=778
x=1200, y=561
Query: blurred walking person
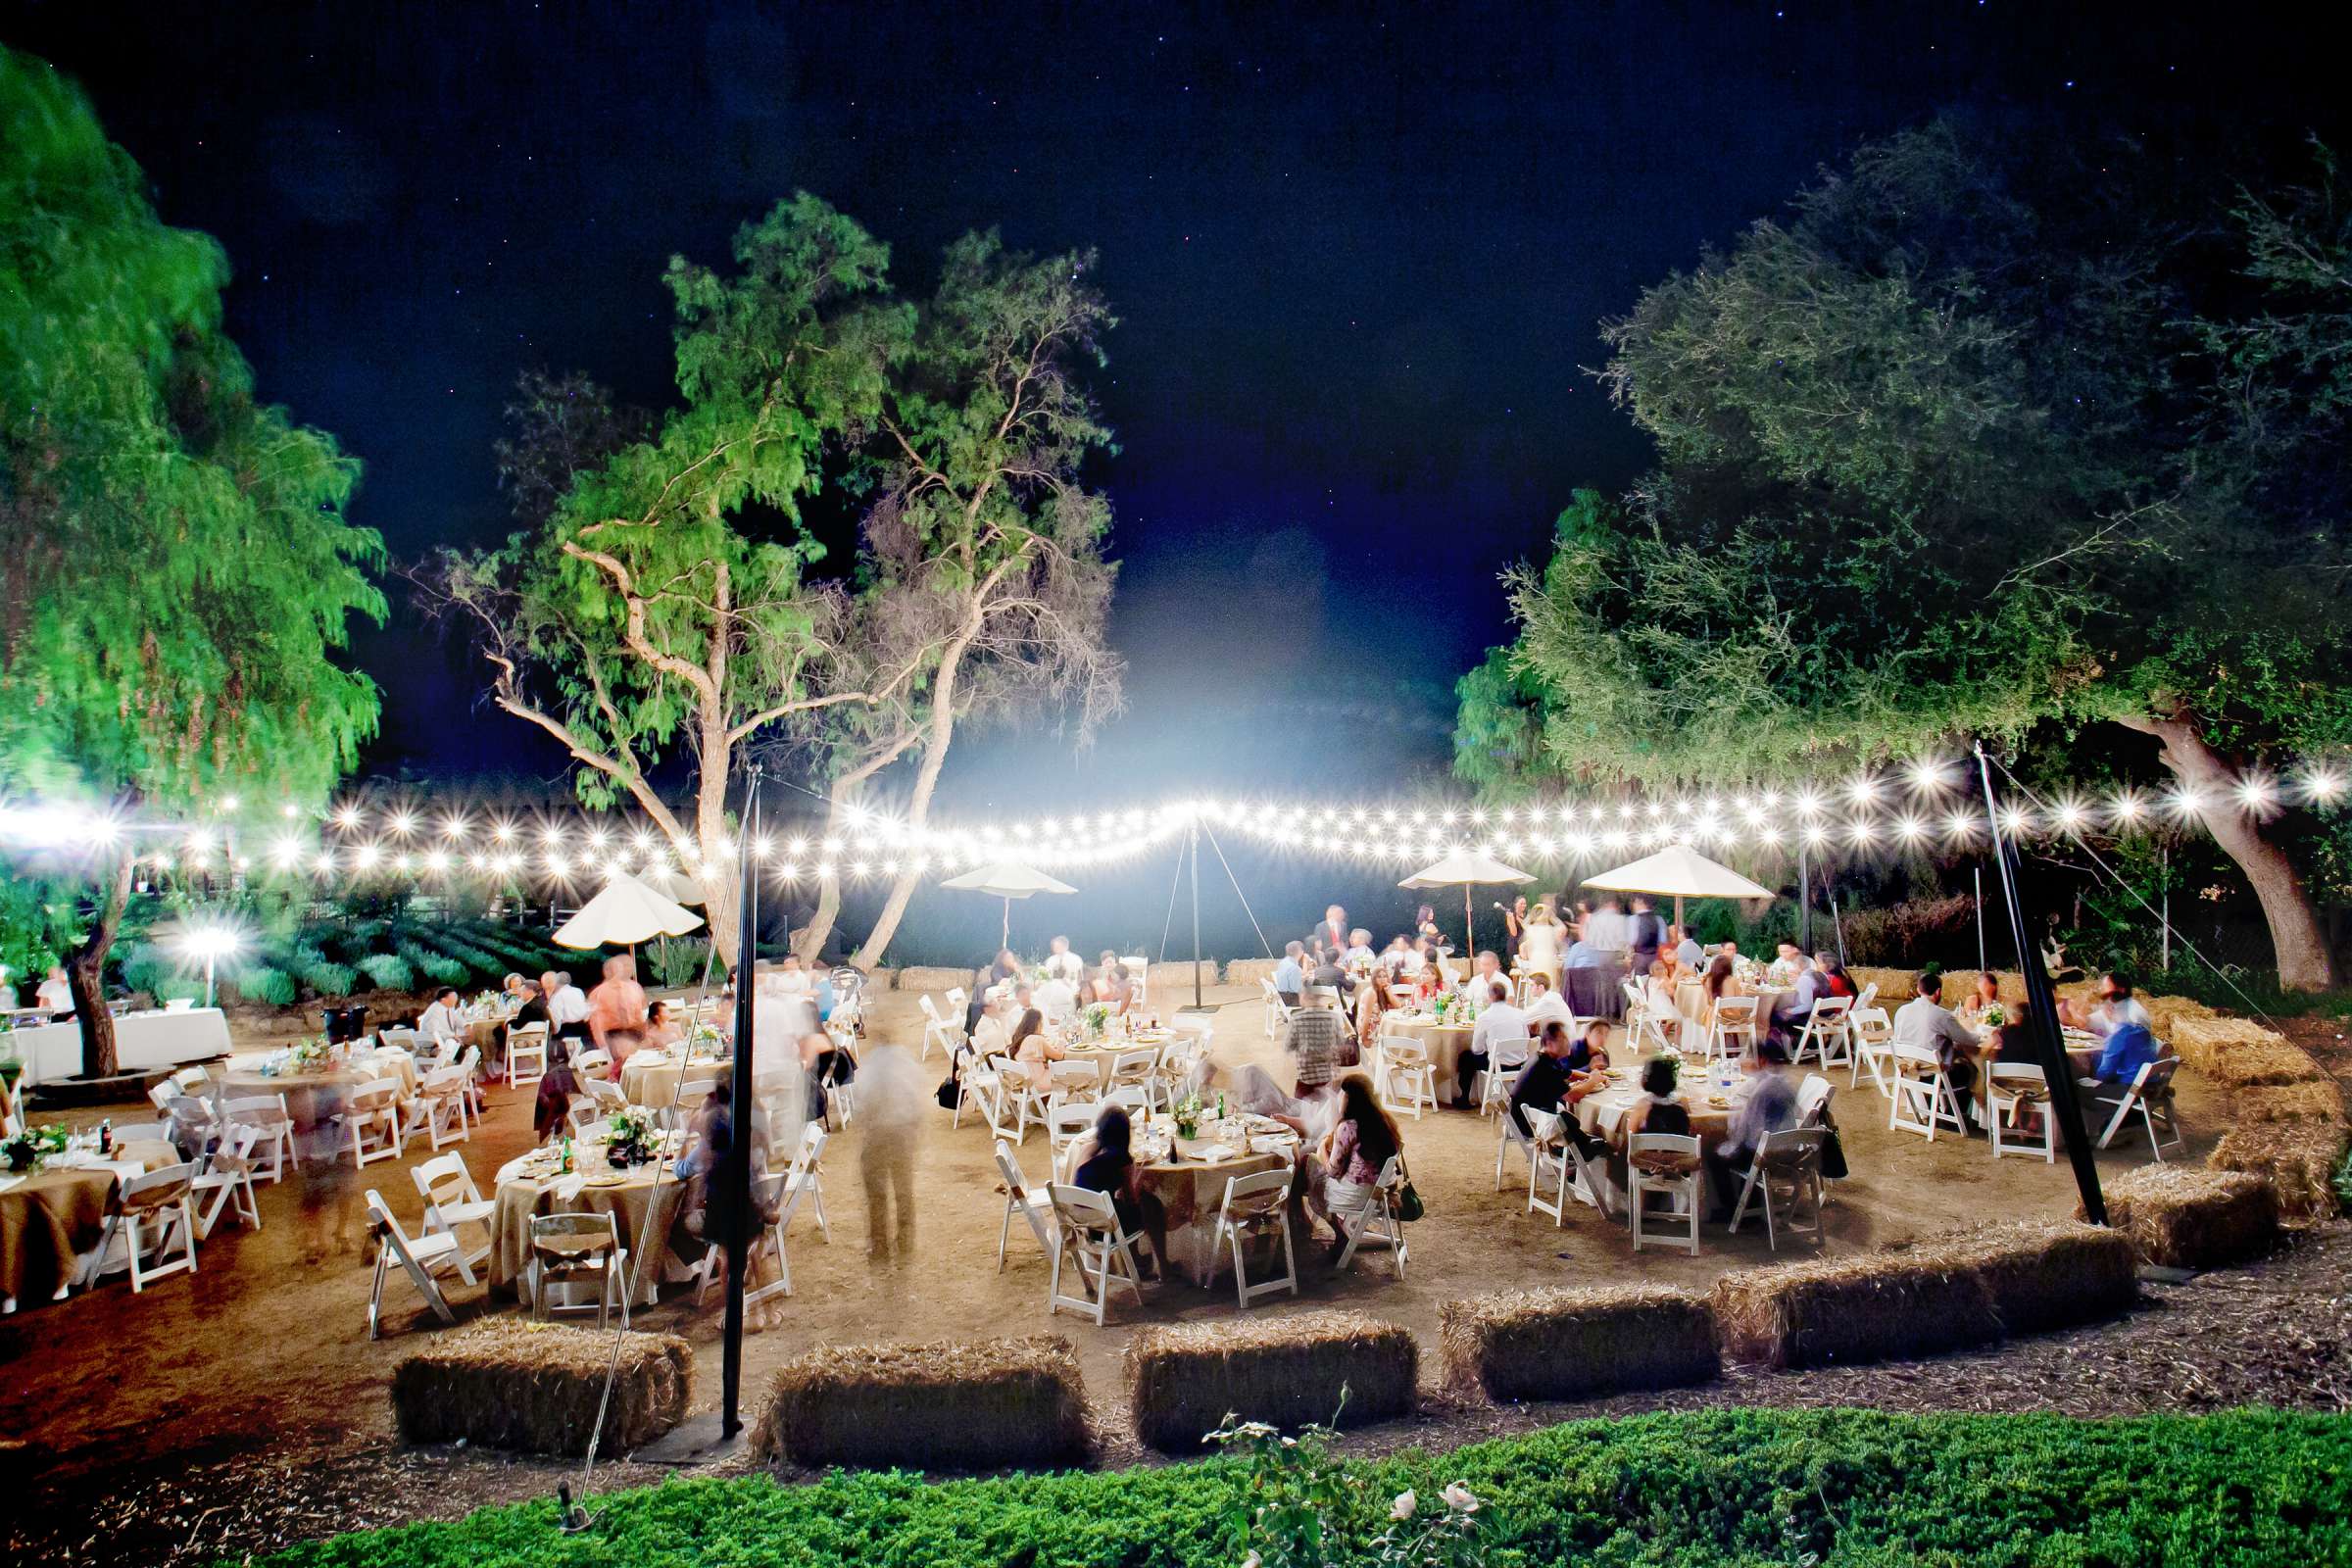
x=891, y=1098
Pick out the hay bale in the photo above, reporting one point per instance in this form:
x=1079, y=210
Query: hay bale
x=1564, y=1344
x=1184, y=1380
x=1250, y=971
x=936, y=981
x=2321, y=1101
x=2179, y=1217
x=2166, y=1013
x=953, y=1405
x=1895, y=986
x=2202, y=1043
x=2298, y=1156
x=509, y=1383
x=2039, y=1276
x=2257, y=1065
x=1941, y=1293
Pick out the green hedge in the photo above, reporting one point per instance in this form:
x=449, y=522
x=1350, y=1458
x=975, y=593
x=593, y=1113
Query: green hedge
x=2240, y=1489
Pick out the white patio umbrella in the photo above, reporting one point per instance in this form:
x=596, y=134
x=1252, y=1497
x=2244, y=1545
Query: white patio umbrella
x=1471, y=870
x=1678, y=872
x=672, y=883
x=1007, y=880
x=624, y=913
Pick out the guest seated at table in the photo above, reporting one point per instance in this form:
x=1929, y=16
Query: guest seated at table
x=1658, y=1111
x=1499, y=1040
x=1289, y=975
x=705, y=1209
x=2127, y=1034
x=1788, y=962
x=1105, y=1165
x=1484, y=971
x=1985, y=993
x=550, y=1110
x=661, y=1031
x=1348, y=1160
x=1763, y=1102
x=567, y=1006
x=992, y=1036
x=526, y=1001
x=1561, y=1071
x=1398, y=956
x=1062, y=963
x=2115, y=1007
x=620, y=1045
x=1717, y=984
x=1835, y=981
x=1688, y=954
x=1031, y=1043
x=1329, y=975
x=1358, y=953
x=1924, y=1024
x=1544, y=1004
x=1111, y=987
x=1004, y=970
x=1791, y=1011
x=440, y=1024
x=792, y=978
x=1659, y=997
x=1374, y=1001
x=1429, y=976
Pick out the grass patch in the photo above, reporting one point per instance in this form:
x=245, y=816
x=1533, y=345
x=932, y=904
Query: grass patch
x=2239, y=1489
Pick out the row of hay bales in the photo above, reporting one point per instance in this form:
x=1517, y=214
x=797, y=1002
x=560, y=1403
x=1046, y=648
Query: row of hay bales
x=939, y=980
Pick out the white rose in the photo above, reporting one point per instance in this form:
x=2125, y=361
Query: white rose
x=1460, y=1499
x=1404, y=1506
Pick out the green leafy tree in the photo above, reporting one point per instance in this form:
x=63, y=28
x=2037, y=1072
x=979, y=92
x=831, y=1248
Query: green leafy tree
x=663, y=611
x=1987, y=440
x=981, y=562
x=178, y=571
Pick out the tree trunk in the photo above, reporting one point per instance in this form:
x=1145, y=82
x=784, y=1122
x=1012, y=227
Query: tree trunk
x=85, y=975
x=2305, y=961
x=819, y=930
x=918, y=814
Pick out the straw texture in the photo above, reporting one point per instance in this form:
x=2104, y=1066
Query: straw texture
x=1184, y=1380
x=952, y=1405
x=1567, y=1343
x=509, y=1383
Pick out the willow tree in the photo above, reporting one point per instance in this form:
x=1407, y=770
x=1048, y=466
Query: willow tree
x=981, y=559
x=178, y=571
x=1974, y=444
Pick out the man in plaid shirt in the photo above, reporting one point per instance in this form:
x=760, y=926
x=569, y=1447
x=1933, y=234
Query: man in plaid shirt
x=1318, y=1038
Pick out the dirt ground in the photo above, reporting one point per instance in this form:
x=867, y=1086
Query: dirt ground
x=246, y=1406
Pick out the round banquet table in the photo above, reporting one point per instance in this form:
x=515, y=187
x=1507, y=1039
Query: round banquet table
x=1602, y=1112
x=317, y=1095
x=1446, y=1043
x=653, y=1079
x=1188, y=1175
x=641, y=1218
x=50, y=1218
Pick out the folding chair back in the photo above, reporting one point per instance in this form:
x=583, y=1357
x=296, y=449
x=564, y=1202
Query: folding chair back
x=1791, y=1158
x=1813, y=1097
x=1097, y=1245
x=1257, y=1206
x=2149, y=1097
x=1375, y=1215
x=1667, y=1163
x=1030, y=1202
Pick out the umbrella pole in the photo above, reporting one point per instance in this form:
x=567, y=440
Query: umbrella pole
x=1469, y=928
x=1004, y=928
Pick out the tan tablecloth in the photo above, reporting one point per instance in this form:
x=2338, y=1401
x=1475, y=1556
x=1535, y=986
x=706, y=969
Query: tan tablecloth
x=636, y=1217
x=317, y=1095
x=49, y=1218
x=654, y=1081
x=1602, y=1112
x=1446, y=1043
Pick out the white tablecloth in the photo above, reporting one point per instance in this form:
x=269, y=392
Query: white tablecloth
x=142, y=1040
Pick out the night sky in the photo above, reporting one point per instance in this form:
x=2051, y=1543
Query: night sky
x=1360, y=266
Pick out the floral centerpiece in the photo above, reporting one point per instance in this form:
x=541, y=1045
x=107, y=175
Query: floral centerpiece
x=630, y=1139
x=1993, y=1016
x=36, y=1142
x=1098, y=1019
x=1187, y=1114
x=703, y=1037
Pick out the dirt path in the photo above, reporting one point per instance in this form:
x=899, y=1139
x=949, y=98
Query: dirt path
x=246, y=1407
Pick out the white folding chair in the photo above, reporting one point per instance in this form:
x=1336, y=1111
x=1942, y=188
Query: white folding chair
x=681, y=1110
x=1181, y=1070
x=2014, y=1091
x=769, y=1195
x=1732, y=1029
x=1508, y=1137
x=527, y=1055
x=1668, y=1165
x=441, y=1103
x=1093, y=1241
x=1255, y=1205
x=1278, y=1011
x=1067, y=1121
x=193, y=1081
x=591, y=1063
x=1031, y=1204
x=607, y=1093
x=1792, y=1159
x=1871, y=1033
x=2149, y=1096
x=1022, y=1097
x=571, y=1247
x=226, y=1178
x=1494, y=1079
x=451, y=1200
x=937, y=1031
x=1373, y=1216
x=165, y=1090
x=1548, y=1158
x=162, y=1198
x=1923, y=1095
x=804, y=1178
x=1825, y=1033
x=1813, y=1097
x=371, y=1119
x=470, y=1064
x=1073, y=1080
x=1408, y=1079
x=268, y=1115
x=423, y=1257
x=1136, y=1069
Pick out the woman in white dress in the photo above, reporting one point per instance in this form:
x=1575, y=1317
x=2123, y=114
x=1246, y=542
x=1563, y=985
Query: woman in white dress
x=1540, y=947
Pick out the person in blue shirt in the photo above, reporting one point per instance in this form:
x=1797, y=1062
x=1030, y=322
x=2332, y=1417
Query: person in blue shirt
x=1289, y=975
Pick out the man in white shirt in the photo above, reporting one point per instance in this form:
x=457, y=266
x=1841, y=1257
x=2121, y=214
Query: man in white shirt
x=438, y=1025
x=1063, y=964
x=1057, y=998
x=566, y=1005
x=1486, y=970
x=1360, y=948
x=2116, y=1007
x=1608, y=930
x=53, y=995
x=791, y=980
x=1498, y=1040
x=1923, y=1023
x=1546, y=1005
x=1687, y=951
x=992, y=1033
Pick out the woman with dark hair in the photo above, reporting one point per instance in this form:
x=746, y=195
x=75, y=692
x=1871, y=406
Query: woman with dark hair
x=1107, y=1166
x=1371, y=1004
x=1717, y=984
x=1352, y=1155
x=1031, y=1043
x=1657, y=1110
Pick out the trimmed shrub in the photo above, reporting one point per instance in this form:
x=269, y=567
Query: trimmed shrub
x=2298, y=1158
x=955, y=1404
x=1184, y=1380
x=507, y=1383
x=265, y=984
x=389, y=970
x=2183, y=1219
x=1566, y=1344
